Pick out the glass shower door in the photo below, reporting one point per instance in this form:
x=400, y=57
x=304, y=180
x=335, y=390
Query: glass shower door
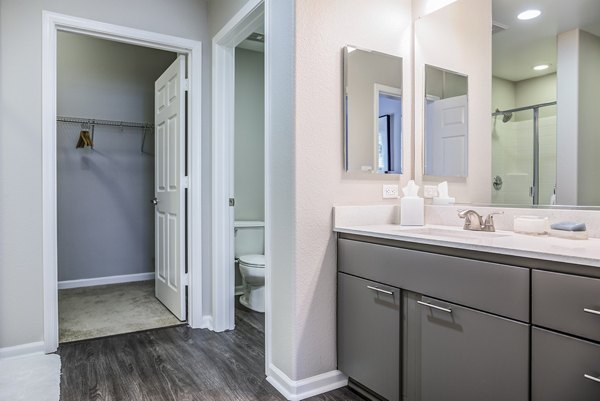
x=512, y=158
x=524, y=157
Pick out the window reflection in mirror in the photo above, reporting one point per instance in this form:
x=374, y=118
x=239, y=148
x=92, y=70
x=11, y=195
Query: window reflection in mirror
x=446, y=123
x=373, y=111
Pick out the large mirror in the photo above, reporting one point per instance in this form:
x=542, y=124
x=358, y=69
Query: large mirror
x=446, y=123
x=545, y=108
x=372, y=111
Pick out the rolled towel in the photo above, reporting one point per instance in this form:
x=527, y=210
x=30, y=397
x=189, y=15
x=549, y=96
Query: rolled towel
x=569, y=226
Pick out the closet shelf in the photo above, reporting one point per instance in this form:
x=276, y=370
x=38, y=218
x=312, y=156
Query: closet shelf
x=92, y=122
x=110, y=123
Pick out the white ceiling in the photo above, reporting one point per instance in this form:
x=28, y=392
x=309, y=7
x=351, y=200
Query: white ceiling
x=256, y=46
x=529, y=43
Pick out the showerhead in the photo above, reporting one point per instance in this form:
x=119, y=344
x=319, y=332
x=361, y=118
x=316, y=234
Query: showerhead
x=506, y=117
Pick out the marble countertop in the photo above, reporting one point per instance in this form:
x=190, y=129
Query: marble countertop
x=544, y=247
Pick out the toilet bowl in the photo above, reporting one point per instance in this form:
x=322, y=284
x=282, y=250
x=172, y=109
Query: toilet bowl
x=252, y=268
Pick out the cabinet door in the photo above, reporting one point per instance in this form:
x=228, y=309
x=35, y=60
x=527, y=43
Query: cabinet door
x=369, y=334
x=564, y=368
x=461, y=354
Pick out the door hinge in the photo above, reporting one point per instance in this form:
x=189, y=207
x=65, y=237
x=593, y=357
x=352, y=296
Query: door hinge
x=185, y=182
x=186, y=279
x=231, y=202
x=186, y=84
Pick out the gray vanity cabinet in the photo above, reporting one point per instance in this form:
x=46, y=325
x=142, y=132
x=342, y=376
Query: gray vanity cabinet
x=564, y=368
x=474, y=345
x=369, y=334
x=460, y=354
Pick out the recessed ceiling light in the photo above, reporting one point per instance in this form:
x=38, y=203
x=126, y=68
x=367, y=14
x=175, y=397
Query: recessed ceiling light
x=541, y=67
x=529, y=14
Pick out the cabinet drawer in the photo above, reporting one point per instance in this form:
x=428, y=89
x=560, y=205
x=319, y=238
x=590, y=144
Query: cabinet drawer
x=369, y=334
x=492, y=287
x=566, y=303
x=559, y=367
x=467, y=355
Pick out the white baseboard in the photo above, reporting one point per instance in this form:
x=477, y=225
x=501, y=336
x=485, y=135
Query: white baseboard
x=239, y=289
x=207, y=322
x=88, y=282
x=295, y=390
x=36, y=348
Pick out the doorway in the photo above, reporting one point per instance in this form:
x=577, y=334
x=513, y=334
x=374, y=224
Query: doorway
x=106, y=173
x=178, y=226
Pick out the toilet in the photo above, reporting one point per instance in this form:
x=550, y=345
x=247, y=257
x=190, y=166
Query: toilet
x=249, y=253
x=252, y=268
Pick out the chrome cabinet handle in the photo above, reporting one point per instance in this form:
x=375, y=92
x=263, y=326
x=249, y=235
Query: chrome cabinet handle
x=592, y=311
x=154, y=201
x=596, y=379
x=380, y=290
x=434, y=306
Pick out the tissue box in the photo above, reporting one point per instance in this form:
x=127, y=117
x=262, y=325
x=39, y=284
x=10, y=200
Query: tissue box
x=412, y=211
x=443, y=201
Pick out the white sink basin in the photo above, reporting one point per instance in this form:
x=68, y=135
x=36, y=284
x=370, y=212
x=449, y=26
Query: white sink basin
x=460, y=234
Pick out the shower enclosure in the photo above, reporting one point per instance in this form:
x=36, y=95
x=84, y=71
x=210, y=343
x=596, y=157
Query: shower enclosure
x=524, y=155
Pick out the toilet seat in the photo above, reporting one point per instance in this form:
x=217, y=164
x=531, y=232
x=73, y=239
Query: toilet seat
x=256, y=261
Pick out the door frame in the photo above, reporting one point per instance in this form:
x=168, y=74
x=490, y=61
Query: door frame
x=51, y=24
x=250, y=17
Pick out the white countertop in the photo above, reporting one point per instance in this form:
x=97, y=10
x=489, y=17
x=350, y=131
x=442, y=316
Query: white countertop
x=582, y=252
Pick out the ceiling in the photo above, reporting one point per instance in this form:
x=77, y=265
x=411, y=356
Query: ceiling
x=251, y=43
x=525, y=44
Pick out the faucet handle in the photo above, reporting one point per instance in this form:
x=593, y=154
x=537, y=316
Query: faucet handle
x=469, y=215
x=464, y=214
x=488, y=225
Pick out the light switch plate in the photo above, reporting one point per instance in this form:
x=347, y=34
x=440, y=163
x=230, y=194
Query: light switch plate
x=390, y=192
x=430, y=191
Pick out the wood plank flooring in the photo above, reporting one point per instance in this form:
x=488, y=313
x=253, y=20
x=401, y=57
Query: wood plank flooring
x=175, y=364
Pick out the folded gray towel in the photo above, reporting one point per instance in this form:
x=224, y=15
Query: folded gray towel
x=568, y=226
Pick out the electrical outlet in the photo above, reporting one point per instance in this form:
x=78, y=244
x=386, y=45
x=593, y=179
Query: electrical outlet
x=390, y=191
x=430, y=191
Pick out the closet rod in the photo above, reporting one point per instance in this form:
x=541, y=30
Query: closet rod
x=111, y=123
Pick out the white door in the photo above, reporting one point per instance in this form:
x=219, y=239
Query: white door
x=447, y=130
x=169, y=120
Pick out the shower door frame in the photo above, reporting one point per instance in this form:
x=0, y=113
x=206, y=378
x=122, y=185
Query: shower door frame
x=535, y=188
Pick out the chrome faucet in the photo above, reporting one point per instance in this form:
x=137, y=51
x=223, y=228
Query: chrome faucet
x=474, y=221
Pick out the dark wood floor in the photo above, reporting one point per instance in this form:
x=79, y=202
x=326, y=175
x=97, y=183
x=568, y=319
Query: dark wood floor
x=175, y=364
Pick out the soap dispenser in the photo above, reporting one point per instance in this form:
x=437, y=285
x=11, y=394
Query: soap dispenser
x=412, y=207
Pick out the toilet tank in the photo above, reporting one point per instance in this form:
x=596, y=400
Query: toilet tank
x=249, y=238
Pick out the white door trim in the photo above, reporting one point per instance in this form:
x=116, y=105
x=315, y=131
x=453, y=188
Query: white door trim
x=233, y=33
x=51, y=24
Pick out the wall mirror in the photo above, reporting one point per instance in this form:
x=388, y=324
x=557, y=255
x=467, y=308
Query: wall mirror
x=545, y=86
x=372, y=111
x=446, y=123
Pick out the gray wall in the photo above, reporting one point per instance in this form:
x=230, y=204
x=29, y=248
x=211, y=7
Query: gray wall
x=21, y=289
x=221, y=11
x=105, y=219
x=589, y=133
x=249, y=135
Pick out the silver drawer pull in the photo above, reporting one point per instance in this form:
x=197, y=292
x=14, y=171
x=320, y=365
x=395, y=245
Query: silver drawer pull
x=434, y=306
x=592, y=311
x=596, y=379
x=380, y=290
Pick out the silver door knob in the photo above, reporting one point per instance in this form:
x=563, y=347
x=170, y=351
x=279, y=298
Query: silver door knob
x=154, y=201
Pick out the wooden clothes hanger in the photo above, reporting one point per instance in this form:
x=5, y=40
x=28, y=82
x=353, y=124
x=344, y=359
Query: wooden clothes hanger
x=85, y=139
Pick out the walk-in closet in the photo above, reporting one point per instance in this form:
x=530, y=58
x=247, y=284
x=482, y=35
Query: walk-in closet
x=106, y=174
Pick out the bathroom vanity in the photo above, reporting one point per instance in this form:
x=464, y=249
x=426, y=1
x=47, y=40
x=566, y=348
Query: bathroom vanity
x=433, y=317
